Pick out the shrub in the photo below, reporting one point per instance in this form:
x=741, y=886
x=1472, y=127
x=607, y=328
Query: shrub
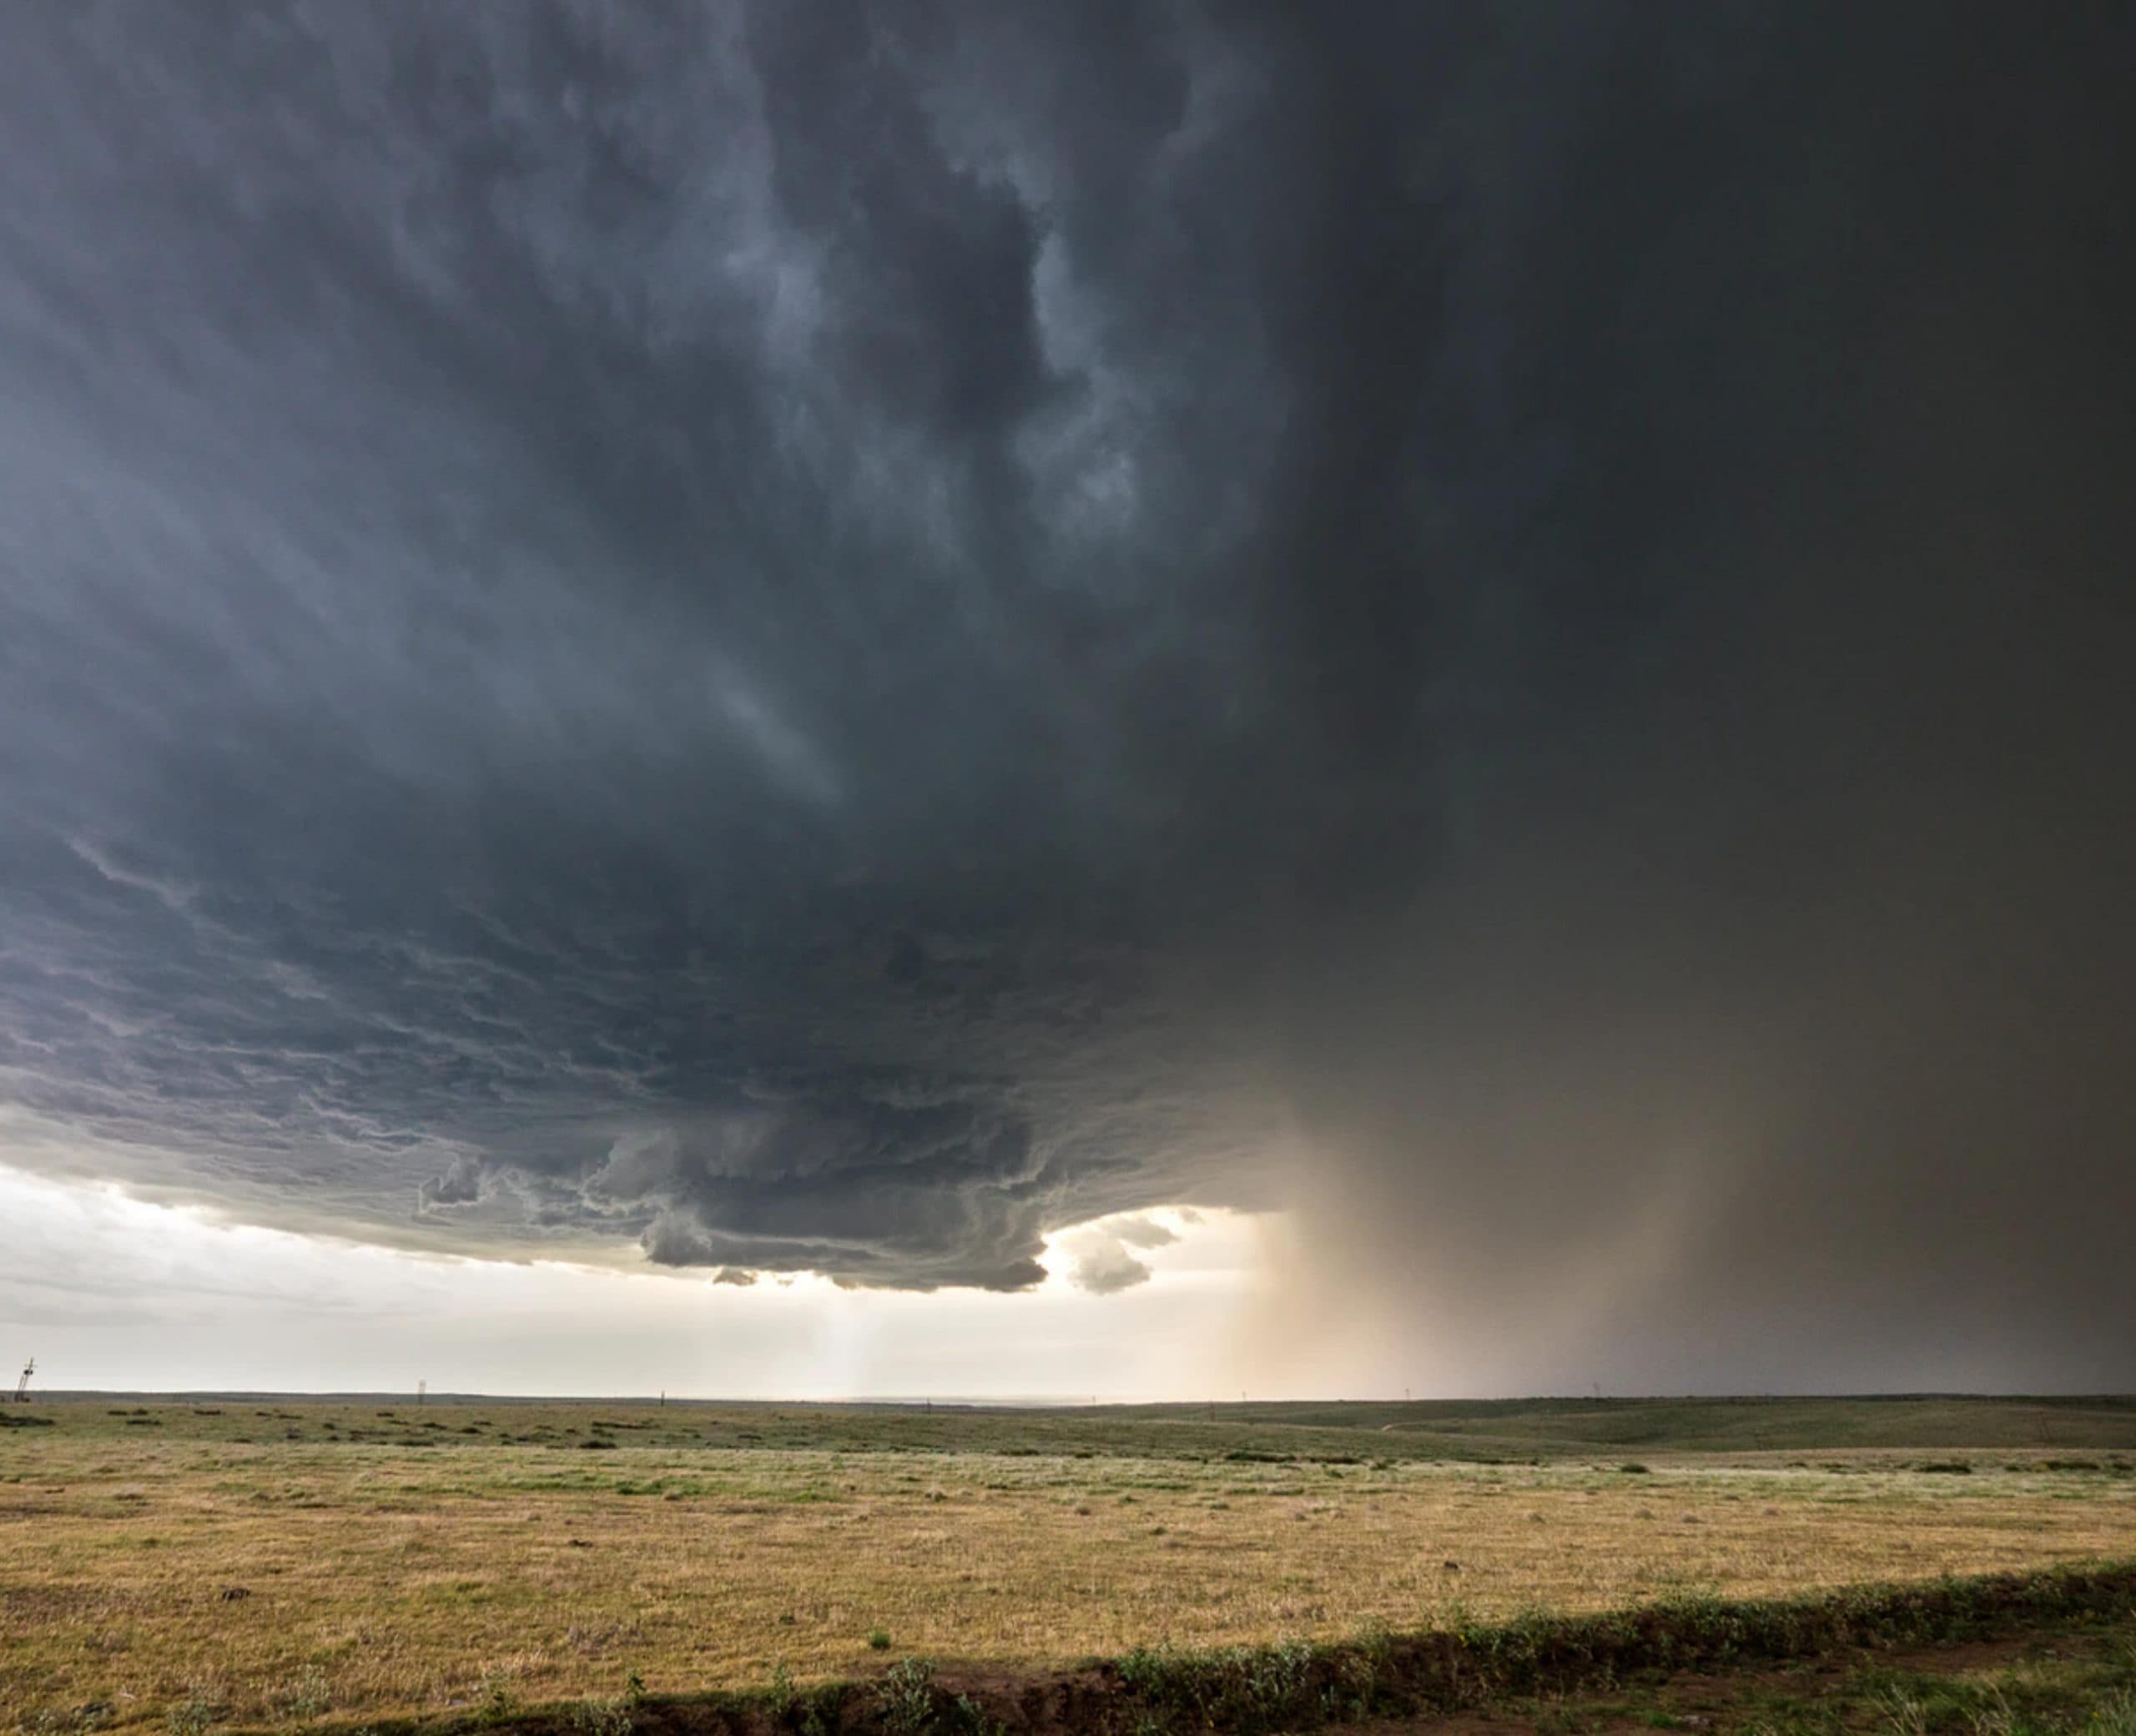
x=906, y=1699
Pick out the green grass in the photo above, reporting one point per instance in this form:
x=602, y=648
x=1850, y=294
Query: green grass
x=1693, y=1664
x=1364, y=1431
x=2059, y=1682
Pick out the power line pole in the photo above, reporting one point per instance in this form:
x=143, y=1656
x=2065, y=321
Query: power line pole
x=23, y=1386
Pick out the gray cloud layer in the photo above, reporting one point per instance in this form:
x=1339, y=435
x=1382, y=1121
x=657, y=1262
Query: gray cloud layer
x=829, y=637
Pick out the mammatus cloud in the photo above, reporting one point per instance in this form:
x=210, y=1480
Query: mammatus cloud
x=806, y=641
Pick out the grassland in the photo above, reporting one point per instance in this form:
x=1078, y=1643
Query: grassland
x=264, y=1561
x=2061, y=1680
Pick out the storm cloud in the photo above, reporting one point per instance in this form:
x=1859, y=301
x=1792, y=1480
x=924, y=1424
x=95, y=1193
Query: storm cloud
x=835, y=637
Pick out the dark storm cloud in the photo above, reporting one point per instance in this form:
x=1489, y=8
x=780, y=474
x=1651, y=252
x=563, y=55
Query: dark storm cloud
x=832, y=638
x=565, y=581
x=464, y=1181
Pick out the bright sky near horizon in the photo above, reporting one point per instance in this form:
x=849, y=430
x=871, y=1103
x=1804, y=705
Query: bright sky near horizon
x=113, y=1293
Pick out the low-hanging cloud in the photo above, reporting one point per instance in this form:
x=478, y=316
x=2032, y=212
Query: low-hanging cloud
x=1101, y=1256
x=808, y=640
x=1102, y=1263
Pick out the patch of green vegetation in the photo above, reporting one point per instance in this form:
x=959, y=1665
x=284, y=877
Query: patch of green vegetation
x=1292, y=1685
x=2067, y=1433
x=305, y=1695
x=496, y=1702
x=199, y=1711
x=905, y=1699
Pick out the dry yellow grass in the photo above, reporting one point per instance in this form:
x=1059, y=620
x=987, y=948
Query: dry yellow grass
x=385, y=1577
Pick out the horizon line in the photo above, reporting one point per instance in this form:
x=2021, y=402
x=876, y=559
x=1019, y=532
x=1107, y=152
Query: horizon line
x=967, y=1402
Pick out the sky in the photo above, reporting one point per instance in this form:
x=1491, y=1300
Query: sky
x=823, y=698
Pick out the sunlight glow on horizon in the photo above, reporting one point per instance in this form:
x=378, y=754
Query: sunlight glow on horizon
x=114, y=1292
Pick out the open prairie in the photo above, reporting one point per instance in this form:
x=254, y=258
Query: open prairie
x=258, y=1560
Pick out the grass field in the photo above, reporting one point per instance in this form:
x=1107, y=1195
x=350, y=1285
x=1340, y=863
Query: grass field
x=180, y=1564
x=2082, y=1682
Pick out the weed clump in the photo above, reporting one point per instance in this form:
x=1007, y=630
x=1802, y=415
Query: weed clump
x=199, y=1711
x=305, y=1695
x=603, y=1717
x=906, y=1698
x=496, y=1702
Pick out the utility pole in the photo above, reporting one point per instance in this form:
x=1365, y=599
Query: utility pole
x=422, y=1388
x=23, y=1386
